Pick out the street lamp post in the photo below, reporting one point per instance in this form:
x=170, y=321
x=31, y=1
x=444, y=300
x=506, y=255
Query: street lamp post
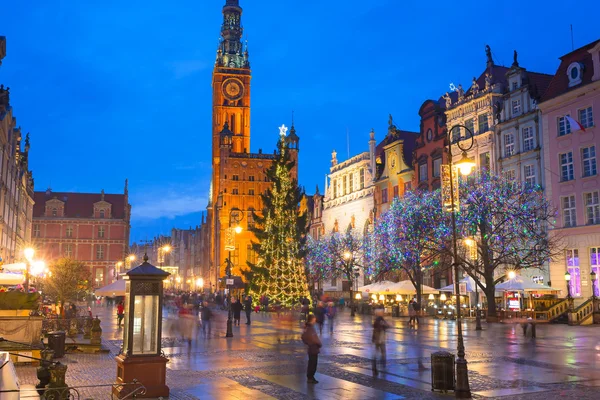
x=235, y=217
x=28, y=252
x=593, y=278
x=465, y=165
x=568, y=280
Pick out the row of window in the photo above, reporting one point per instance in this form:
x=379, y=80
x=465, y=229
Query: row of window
x=528, y=141
x=54, y=213
x=529, y=176
x=347, y=183
x=68, y=231
x=482, y=124
x=251, y=256
x=588, y=164
x=572, y=261
x=251, y=178
x=423, y=173
x=592, y=209
x=384, y=192
x=585, y=116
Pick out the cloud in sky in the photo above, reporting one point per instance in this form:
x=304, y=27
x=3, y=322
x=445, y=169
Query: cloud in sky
x=171, y=202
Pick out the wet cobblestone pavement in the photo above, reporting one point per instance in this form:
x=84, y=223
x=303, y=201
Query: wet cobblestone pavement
x=267, y=360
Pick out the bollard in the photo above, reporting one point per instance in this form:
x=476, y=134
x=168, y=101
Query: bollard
x=73, y=328
x=43, y=371
x=96, y=332
x=57, y=388
x=87, y=328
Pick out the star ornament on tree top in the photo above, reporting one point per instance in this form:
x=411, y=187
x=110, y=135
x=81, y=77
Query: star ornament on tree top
x=282, y=130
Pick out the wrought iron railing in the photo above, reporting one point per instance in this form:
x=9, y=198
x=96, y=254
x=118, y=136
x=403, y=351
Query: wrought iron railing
x=129, y=390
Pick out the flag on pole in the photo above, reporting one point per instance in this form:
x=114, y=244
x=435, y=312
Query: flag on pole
x=575, y=125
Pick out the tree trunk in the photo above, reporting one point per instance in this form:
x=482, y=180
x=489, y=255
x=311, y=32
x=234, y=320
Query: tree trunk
x=490, y=294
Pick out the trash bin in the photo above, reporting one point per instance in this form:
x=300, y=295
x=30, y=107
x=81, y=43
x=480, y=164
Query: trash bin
x=395, y=310
x=442, y=371
x=56, y=343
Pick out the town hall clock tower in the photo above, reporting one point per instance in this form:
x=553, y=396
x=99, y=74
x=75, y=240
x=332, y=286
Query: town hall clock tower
x=238, y=175
x=231, y=90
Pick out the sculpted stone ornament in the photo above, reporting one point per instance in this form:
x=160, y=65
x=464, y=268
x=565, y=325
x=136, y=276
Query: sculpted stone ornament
x=515, y=61
x=448, y=100
x=461, y=92
x=488, y=55
x=488, y=81
x=96, y=332
x=475, y=86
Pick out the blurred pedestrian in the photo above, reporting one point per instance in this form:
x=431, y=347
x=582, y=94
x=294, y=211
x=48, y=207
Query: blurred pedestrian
x=120, y=313
x=236, y=307
x=248, y=309
x=320, y=316
x=311, y=339
x=331, y=315
x=411, y=313
x=205, y=317
x=417, y=311
x=342, y=303
x=378, y=339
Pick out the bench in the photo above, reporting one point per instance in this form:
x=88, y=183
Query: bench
x=10, y=388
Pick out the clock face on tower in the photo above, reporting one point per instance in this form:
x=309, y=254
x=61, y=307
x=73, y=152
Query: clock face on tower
x=233, y=89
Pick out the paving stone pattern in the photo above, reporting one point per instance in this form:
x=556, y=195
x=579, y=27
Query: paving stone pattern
x=267, y=360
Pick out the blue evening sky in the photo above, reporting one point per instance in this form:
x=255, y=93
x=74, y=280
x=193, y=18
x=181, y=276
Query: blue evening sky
x=121, y=89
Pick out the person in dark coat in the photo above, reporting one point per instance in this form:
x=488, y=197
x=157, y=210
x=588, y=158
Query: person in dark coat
x=205, y=316
x=320, y=316
x=379, y=328
x=236, y=307
x=248, y=309
x=312, y=341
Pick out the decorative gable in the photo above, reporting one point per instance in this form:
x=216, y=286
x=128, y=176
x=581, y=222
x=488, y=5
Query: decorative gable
x=102, y=209
x=55, y=208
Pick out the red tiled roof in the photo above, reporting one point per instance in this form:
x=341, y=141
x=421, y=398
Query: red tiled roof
x=560, y=82
x=79, y=205
x=538, y=83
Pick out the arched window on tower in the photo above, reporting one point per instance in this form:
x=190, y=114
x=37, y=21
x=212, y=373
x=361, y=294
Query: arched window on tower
x=232, y=123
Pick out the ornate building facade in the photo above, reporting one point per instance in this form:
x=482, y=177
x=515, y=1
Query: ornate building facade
x=518, y=129
x=393, y=167
x=238, y=176
x=348, y=201
x=89, y=227
x=571, y=139
x=16, y=180
x=479, y=110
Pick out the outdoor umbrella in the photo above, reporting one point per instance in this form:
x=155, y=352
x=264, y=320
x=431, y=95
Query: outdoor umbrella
x=470, y=282
x=117, y=288
x=407, y=287
x=523, y=284
x=11, y=279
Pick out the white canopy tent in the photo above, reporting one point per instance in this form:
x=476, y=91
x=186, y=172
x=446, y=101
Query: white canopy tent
x=470, y=282
x=523, y=284
x=11, y=279
x=377, y=287
x=117, y=288
x=407, y=287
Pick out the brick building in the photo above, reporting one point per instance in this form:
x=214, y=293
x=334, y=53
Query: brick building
x=88, y=227
x=238, y=176
x=16, y=181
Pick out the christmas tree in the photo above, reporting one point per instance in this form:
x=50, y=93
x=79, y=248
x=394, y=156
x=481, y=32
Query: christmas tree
x=281, y=232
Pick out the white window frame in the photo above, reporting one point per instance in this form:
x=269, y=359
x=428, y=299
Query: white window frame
x=516, y=107
x=569, y=211
x=586, y=117
x=509, y=146
x=566, y=166
x=588, y=162
x=528, y=138
x=529, y=175
x=99, y=252
x=592, y=207
x=563, y=125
